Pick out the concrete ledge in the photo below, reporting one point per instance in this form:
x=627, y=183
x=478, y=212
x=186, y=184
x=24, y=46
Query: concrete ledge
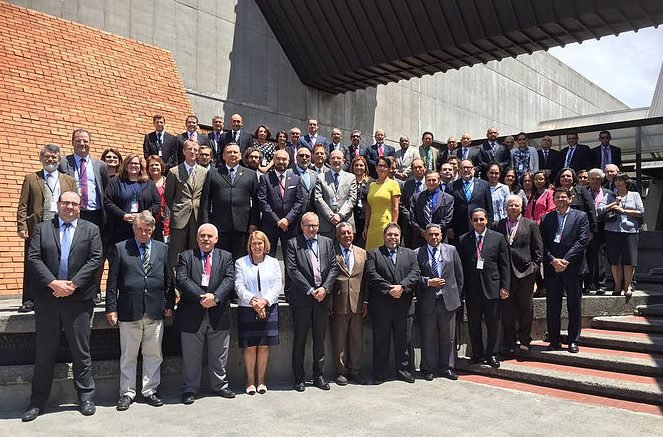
x=629, y=323
x=649, y=310
x=649, y=344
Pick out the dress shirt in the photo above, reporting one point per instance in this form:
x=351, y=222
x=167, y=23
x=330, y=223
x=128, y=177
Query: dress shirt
x=140, y=247
x=350, y=257
x=92, y=203
x=52, y=181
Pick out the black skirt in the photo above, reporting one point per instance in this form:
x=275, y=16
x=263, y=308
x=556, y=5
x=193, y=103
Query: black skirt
x=256, y=332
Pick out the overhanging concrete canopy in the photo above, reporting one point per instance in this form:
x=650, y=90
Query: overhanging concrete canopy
x=345, y=45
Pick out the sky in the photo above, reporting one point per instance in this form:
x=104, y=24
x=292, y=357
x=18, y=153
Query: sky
x=626, y=66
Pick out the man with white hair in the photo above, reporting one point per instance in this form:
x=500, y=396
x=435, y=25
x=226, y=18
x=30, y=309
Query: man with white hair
x=596, y=260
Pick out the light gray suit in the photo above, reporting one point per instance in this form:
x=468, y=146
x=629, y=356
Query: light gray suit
x=329, y=201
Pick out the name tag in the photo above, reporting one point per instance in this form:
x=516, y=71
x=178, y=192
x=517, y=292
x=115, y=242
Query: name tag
x=334, y=201
x=291, y=187
x=480, y=264
x=134, y=206
x=160, y=153
x=204, y=282
x=558, y=238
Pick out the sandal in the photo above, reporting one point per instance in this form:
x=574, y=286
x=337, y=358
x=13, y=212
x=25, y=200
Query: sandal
x=251, y=390
x=262, y=389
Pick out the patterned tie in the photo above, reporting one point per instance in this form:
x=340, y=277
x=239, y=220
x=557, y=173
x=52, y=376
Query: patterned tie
x=428, y=207
x=282, y=185
x=380, y=150
x=82, y=183
x=433, y=264
x=65, y=246
x=479, y=246
x=335, y=181
x=160, y=139
x=346, y=257
x=392, y=255
x=569, y=156
x=467, y=188
x=192, y=176
x=146, y=257
x=465, y=153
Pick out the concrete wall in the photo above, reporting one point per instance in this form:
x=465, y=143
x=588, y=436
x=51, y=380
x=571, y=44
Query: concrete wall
x=230, y=62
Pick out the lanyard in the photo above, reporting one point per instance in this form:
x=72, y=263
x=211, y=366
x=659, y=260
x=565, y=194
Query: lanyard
x=479, y=246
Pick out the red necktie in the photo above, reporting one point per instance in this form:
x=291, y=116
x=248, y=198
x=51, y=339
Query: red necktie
x=82, y=183
x=208, y=265
x=380, y=151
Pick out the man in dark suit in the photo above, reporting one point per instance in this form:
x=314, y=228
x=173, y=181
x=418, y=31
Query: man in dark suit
x=466, y=151
x=356, y=148
x=485, y=257
x=214, y=138
x=446, y=177
x=576, y=156
x=65, y=254
x=377, y=150
x=469, y=193
x=230, y=201
x=438, y=298
x=191, y=133
x=161, y=143
x=139, y=294
x=336, y=144
x=565, y=234
x=311, y=265
x=430, y=206
x=595, y=277
x=605, y=153
x=450, y=150
x=550, y=160
x=392, y=272
x=526, y=252
x=308, y=179
x=206, y=279
x=280, y=201
x=312, y=137
x=237, y=135
x=410, y=188
x=494, y=151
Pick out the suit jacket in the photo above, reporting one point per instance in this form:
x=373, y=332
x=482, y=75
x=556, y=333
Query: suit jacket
x=372, y=155
x=183, y=196
x=381, y=274
x=245, y=141
x=496, y=273
x=405, y=158
x=452, y=273
x=215, y=145
x=184, y=136
x=349, y=292
x=329, y=201
x=554, y=163
x=581, y=159
x=31, y=202
x=230, y=207
x=308, y=192
x=352, y=150
x=442, y=212
x=85, y=258
x=481, y=198
x=116, y=228
x=305, y=141
x=189, y=272
x=101, y=179
x=572, y=245
x=300, y=270
x=474, y=154
x=597, y=156
x=502, y=155
x=435, y=157
x=134, y=293
x=273, y=206
x=169, y=149
x=526, y=246
x=346, y=154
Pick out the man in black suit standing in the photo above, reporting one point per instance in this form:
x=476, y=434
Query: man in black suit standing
x=161, y=143
x=565, y=234
x=192, y=134
x=356, y=148
x=430, y=206
x=64, y=255
x=485, y=257
x=469, y=193
x=466, y=151
x=526, y=252
x=311, y=265
x=377, y=150
x=416, y=184
x=230, y=202
x=280, y=200
x=550, y=159
x=605, y=153
x=139, y=294
x=392, y=272
x=335, y=144
x=214, y=138
x=312, y=137
x=576, y=156
x=494, y=151
x=206, y=279
x=236, y=135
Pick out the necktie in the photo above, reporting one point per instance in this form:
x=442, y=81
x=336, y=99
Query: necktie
x=49, y=180
x=545, y=158
x=235, y=136
x=335, y=181
x=433, y=264
x=418, y=186
x=392, y=255
x=192, y=136
x=159, y=139
x=569, y=156
x=479, y=246
x=82, y=183
x=428, y=207
x=346, y=258
x=357, y=151
x=208, y=265
x=606, y=157
x=216, y=137
x=467, y=188
x=307, y=181
x=315, y=262
x=465, y=153
x=192, y=176
x=492, y=150
x=380, y=150
x=146, y=257
x=231, y=172
x=282, y=186
x=65, y=246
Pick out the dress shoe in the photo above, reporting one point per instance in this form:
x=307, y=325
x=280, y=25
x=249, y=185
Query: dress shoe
x=477, y=361
x=554, y=347
x=378, y=380
x=406, y=377
x=153, y=400
x=357, y=379
x=27, y=307
x=30, y=414
x=320, y=382
x=573, y=348
x=449, y=374
x=341, y=380
x=300, y=387
x=188, y=398
x=600, y=291
x=123, y=403
x=88, y=408
x=523, y=348
x=617, y=293
x=428, y=376
x=226, y=393
x=493, y=362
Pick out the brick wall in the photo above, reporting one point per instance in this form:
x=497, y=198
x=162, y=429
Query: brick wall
x=56, y=76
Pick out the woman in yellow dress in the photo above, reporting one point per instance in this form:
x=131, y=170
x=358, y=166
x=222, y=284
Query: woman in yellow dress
x=384, y=196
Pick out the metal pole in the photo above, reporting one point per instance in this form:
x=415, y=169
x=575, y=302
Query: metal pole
x=638, y=156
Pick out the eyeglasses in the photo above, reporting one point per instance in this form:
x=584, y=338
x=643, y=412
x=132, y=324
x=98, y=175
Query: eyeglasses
x=312, y=225
x=66, y=203
x=303, y=155
x=355, y=136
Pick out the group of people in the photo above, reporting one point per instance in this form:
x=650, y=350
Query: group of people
x=362, y=230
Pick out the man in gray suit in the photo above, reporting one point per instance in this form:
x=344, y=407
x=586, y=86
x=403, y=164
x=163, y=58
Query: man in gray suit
x=308, y=178
x=438, y=298
x=335, y=196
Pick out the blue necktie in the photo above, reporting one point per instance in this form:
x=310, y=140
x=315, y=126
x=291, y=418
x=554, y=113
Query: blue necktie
x=392, y=255
x=433, y=264
x=346, y=258
x=65, y=246
x=468, y=190
x=146, y=257
x=428, y=207
x=336, y=181
x=418, y=186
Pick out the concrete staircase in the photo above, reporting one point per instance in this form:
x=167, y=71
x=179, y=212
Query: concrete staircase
x=621, y=357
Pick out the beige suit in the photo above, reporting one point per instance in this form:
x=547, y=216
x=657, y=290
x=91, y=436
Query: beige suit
x=348, y=296
x=182, y=195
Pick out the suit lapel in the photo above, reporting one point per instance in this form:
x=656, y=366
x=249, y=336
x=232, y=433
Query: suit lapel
x=135, y=253
x=56, y=232
x=197, y=267
x=387, y=259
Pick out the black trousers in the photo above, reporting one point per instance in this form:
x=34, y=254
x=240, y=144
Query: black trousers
x=518, y=309
x=314, y=318
x=390, y=321
x=53, y=315
x=490, y=309
x=97, y=217
x=556, y=283
x=596, y=261
x=27, y=275
x=233, y=242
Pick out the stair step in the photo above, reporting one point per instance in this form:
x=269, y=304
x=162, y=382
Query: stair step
x=649, y=310
x=596, y=382
x=620, y=340
x=629, y=323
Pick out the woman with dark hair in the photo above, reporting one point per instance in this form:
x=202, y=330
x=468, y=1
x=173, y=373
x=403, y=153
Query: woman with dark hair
x=265, y=147
x=113, y=159
x=623, y=212
x=156, y=168
x=282, y=144
x=383, y=199
x=359, y=168
x=540, y=201
x=524, y=158
x=511, y=181
x=581, y=199
x=498, y=191
x=128, y=194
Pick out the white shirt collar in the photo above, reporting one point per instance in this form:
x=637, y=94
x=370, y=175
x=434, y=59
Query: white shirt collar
x=189, y=167
x=476, y=235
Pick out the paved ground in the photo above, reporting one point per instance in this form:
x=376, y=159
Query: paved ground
x=395, y=408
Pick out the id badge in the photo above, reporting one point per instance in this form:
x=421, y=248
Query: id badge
x=558, y=238
x=521, y=167
x=204, y=282
x=334, y=201
x=480, y=264
x=160, y=153
x=134, y=206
